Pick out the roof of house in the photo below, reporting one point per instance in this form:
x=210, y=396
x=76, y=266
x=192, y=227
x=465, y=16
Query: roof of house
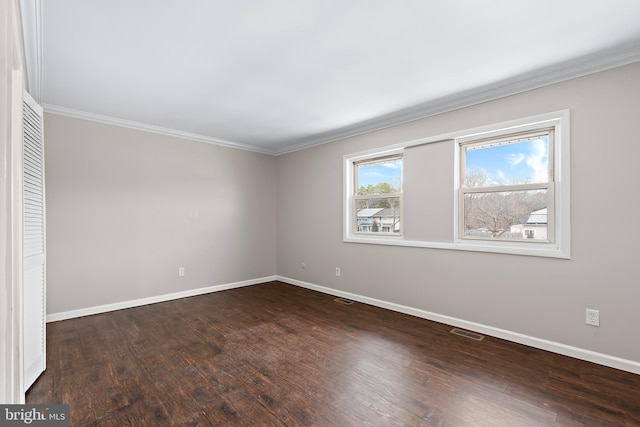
x=537, y=217
x=368, y=212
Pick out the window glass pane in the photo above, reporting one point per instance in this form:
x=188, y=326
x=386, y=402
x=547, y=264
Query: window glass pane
x=379, y=177
x=514, y=215
x=507, y=162
x=378, y=215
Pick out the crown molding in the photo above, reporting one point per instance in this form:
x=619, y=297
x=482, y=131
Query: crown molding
x=578, y=67
x=68, y=112
x=557, y=73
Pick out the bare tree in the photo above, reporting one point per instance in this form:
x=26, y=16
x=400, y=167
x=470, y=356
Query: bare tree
x=497, y=211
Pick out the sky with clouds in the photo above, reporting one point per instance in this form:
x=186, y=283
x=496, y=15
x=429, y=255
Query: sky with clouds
x=520, y=162
x=516, y=162
x=376, y=173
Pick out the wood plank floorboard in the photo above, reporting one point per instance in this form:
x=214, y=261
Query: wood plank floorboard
x=278, y=355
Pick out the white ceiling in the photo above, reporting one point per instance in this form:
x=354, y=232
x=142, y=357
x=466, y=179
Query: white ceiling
x=274, y=76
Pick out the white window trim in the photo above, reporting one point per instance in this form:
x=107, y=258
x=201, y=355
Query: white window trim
x=350, y=226
x=548, y=186
x=560, y=245
x=560, y=248
x=396, y=195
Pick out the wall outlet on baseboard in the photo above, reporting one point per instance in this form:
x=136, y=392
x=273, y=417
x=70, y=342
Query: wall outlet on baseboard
x=593, y=317
x=337, y=271
x=181, y=272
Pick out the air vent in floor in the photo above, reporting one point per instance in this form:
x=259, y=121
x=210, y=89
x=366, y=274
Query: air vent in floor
x=343, y=301
x=467, y=334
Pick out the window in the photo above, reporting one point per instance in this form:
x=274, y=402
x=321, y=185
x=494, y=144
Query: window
x=506, y=187
x=501, y=188
x=377, y=195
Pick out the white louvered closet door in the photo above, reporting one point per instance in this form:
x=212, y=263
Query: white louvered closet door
x=34, y=294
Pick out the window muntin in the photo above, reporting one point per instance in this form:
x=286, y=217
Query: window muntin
x=506, y=184
x=377, y=198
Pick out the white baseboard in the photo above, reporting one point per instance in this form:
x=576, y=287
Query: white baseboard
x=54, y=317
x=554, y=347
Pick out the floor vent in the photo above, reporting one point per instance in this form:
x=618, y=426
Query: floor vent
x=343, y=301
x=467, y=334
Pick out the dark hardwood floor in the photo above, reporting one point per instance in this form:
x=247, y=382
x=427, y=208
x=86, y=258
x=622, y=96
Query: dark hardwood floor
x=275, y=354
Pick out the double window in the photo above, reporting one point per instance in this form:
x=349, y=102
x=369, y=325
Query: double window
x=499, y=188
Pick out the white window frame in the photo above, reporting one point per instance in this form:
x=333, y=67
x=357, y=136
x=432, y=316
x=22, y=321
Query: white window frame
x=558, y=247
x=548, y=186
x=558, y=203
x=351, y=198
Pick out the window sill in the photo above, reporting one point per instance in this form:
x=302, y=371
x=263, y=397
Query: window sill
x=547, y=250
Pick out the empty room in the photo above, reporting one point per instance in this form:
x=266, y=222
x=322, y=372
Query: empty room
x=319, y=213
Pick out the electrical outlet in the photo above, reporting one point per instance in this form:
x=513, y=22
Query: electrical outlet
x=593, y=317
x=181, y=272
x=303, y=265
x=337, y=271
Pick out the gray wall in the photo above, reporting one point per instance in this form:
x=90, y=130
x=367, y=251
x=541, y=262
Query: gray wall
x=538, y=297
x=126, y=208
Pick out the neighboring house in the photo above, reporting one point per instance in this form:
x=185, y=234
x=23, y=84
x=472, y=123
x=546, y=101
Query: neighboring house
x=364, y=220
x=387, y=220
x=534, y=227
